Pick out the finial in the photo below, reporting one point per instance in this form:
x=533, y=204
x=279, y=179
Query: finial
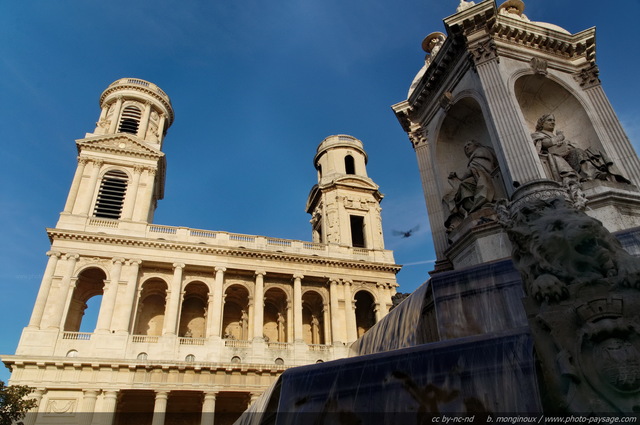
x=464, y=5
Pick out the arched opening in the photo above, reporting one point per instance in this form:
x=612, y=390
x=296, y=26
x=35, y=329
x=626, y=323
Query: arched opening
x=194, y=311
x=130, y=120
x=151, y=308
x=313, y=318
x=275, y=326
x=85, y=301
x=357, y=231
x=349, y=165
x=113, y=189
x=235, y=316
x=365, y=312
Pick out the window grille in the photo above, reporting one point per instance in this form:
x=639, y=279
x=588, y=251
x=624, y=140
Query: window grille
x=111, y=195
x=130, y=120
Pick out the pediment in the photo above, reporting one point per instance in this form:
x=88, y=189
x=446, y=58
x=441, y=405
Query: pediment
x=123, y=144
x=352, y=180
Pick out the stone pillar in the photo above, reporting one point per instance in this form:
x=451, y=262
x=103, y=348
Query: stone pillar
x=297, y=308
x=85, y=208
x=32, y=415
x=613, y=137
x=336, y=336
x=132, y=194
x=350, y=312
x=216, y=309
x=516, y=153
x=109, y=403
x=63, y=292
x=252, y=317
x=144, y=121
x=208, y=408
x=253, y=397
x=326, y=321
x=377, y=310
x=122, y=321
x=173, y=303
x=43, y=292
x=108, y=303
x=87, y=407
x=113, y=127
x=75, y=185
x=160, y=408
x=290, y=322
x=142, y=212
x=258, y=310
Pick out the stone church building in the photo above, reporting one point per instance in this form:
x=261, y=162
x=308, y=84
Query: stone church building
x=193, y=324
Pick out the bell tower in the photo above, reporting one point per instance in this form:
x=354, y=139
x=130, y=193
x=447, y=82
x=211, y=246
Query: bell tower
x=345, y=204
x=121, y=168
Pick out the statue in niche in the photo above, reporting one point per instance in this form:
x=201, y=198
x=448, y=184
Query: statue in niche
x=582, y=301
x=568, y=162
x=475, y=188
x=281, y=328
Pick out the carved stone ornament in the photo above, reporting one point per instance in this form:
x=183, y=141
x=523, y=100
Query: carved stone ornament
x=418, y=137
x=484, y=51
x=582, y=302
x=446, y=101
x=588, y=77
x=539, y=66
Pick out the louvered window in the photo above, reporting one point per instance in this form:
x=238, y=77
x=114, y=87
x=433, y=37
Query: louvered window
x=130, y=120
x=111, y=195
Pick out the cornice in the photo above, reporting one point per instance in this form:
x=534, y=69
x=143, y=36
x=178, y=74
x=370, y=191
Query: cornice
x=163, y=99
x=168, y=246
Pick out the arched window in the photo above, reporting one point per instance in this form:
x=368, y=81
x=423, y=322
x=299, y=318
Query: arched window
x=72, y=353
x=84, y=306
x=130, y=120
x=111, y=195
x=349, y=165
x=190, y=358
x=365, y=312
x=143, y=356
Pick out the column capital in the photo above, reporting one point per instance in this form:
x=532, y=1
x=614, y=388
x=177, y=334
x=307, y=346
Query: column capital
x=71, y=256
x=90, y=393
x=138, y=169
x=347, y=282
x=118, y=260
x=54, y=254
x=162, y=394
x=298, y=276
x=134, y=262
x=220, y=269
x=260, y=273
x=110, y=393
x=83, y=160
x=179, y=265
x=210, y=394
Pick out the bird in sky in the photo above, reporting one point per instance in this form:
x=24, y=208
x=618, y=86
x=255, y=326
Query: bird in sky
x=406, y=233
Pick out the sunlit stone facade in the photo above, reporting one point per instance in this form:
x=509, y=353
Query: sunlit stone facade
x=193, y=323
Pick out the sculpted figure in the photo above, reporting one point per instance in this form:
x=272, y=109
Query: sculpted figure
x=568, y=161
x=475, y=188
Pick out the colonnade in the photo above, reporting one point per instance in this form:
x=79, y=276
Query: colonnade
x=334, y=319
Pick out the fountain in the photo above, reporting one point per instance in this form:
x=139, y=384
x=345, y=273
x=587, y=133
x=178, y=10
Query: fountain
x=532, y=309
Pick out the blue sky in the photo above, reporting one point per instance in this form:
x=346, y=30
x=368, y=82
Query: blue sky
x=256, y=85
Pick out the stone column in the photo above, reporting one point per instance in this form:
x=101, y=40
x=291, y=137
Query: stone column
x=326, y=321
x=252, y=316
x=258, y=310
x=290, y=321
x=173, y=304
x=132, y=194
x=113, y=127
x=75, y=185
x=108, y=303
x=45, y=288
x=217, y=309
x=297, y=308
x=142, y=212
x=32, y=415
x=63, y=292
x=377, y=309
x=144, y=121
x=350, y=312
x=87, y=406
x=96, y=165
x=208, y=408
x=160, y=408
x=336, y=336
x=611, y=133
x=109, y=403
x=122, y=320
x=516, y=153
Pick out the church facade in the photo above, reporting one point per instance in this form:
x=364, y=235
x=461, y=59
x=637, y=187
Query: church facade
x=192, y=324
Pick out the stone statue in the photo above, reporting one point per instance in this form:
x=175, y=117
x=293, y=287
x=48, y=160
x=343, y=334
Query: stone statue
x=569, y=162
x=475, y=188
x=583, y=302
